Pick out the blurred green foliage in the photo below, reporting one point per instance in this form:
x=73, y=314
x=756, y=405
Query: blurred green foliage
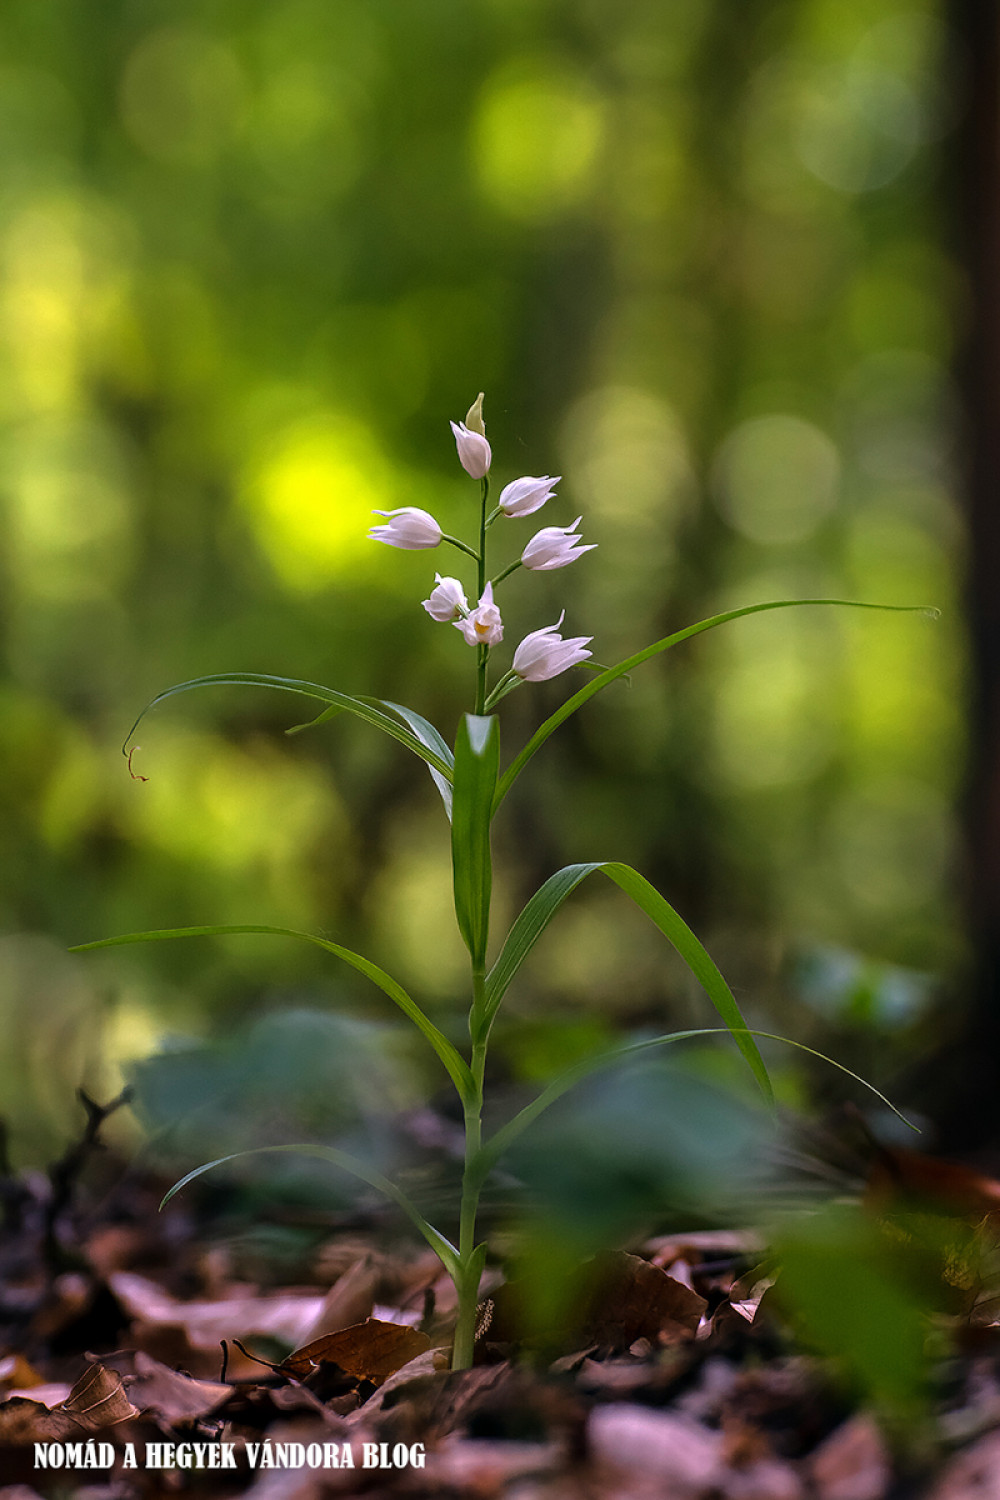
x=254, y=258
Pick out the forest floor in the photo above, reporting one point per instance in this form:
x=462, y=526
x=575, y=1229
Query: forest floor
x=143, y=1357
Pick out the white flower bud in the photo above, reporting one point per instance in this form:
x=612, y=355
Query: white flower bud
x=522, y=496
x=409, y=528
x=473, y=450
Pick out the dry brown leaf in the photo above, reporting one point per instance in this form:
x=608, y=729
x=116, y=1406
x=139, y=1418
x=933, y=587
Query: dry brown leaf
x=973, y=1474
x=349, y=1300
x=23, y=1422
x=370, y=1351
x=944, y=1186
x=98, y=1399
x=288, y=1317
x=670, y=1449
x=852, y=1463
x=171, y=1395
x=633, y=1299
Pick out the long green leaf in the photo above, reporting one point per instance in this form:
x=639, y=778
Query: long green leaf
x=458, y=1069
x=477, y=758
x=494, y=1148
x=431, y=738
x=365, y=709
x=571, y=705
x=542, y=907
x=441, y=1246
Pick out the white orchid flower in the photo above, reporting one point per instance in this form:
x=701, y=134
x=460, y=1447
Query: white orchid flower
x=409, y=528
x=554, y=547
x=447, y=600
x=474, y=451
x=523, y=496
x=544, y=653
x=483, y=626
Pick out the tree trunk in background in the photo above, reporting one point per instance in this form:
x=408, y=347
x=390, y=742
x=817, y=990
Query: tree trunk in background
x=971, y=1118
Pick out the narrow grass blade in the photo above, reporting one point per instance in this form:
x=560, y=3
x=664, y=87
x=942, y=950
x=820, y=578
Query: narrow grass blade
x=542, y=907
x=477, y=757
x=441, y=1246
x=456, y=1065
x=430, y=737
x=571, y=705
x=494, y=1148
x=360, y=707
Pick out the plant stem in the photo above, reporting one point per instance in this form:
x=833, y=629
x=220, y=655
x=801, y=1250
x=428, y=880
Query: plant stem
x=507, y=683
x=482, y=652
x=482, y=657
x=468, y=1286
x=467, y=1282
x=507, y=572
x=462, y=547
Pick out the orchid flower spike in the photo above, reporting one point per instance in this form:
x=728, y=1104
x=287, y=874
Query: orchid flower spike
x=554, y=547
x=544, y=653
x=447, y=600
x=409, y=528
x=522, y=496
x=470, y=438
x=483, y=626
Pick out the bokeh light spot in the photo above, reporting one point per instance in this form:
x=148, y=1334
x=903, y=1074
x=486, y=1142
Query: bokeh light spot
x=776, y=478
x=536, y=138
x=183, y=95
x=311, y=494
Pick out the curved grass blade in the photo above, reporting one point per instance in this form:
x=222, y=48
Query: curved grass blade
x=430, y=737
x=323, y=718
x=458, y=1069
x=571, y=705
x=362, y=708
x=477, y=757
x=542, y=907
x=441, y=1246
x=494, y=1148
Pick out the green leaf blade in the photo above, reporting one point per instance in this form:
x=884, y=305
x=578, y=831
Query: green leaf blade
x=431, y=738
x=477, y=761
x=612, y=674
x=458, y=1069
x=438, y=1242
x=543, y=906
x=498, y=1143
x=365, y=709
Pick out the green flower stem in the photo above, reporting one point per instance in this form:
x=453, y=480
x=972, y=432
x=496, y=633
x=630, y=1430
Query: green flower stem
x=463, y=547
x=482, y=657
x=508, y=681
x=483, y=652
x=482, y=534
x=507, y=572
x=494, y=515
x=467, y=1283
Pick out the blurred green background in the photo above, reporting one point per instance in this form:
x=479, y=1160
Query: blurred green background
x=254, y=258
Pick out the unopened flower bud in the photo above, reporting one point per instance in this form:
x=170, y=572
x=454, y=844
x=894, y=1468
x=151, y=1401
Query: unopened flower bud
x=409, y=528
x=522, y=496
x=474, y=416
x=473, y=450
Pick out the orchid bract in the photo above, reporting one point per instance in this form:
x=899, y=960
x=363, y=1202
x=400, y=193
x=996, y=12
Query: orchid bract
x=473, y=782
